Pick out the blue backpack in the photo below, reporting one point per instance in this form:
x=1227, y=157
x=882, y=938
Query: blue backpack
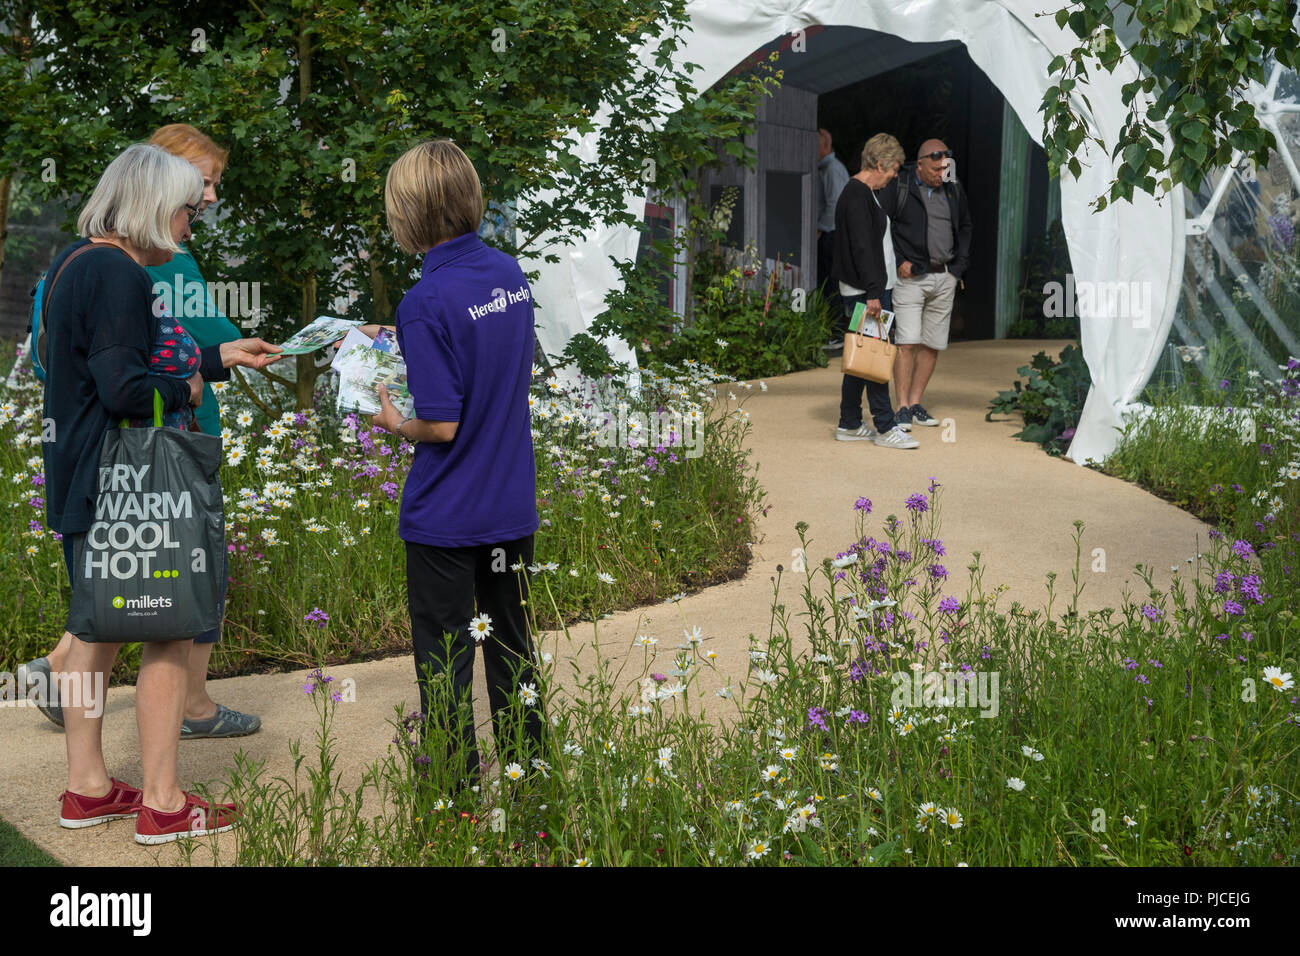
x=40, y=346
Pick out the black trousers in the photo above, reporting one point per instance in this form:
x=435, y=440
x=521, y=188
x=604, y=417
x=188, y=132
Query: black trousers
x=830, y=289
x=852, y=387
x=446, y=588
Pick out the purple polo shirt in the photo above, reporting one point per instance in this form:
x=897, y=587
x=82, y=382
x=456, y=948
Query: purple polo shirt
x=466, y=333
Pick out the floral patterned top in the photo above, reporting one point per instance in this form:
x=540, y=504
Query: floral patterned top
x=175, y=354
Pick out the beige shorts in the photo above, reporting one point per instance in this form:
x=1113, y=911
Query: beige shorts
x=923, y=309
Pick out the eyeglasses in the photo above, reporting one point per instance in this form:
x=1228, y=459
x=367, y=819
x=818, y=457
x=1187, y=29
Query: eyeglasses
x=194, y=212
x=938, y=154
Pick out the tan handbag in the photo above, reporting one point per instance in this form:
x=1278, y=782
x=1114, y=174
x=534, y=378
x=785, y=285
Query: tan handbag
x=866, y=356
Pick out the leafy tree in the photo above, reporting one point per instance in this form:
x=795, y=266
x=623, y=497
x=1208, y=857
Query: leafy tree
x=1196, y=59
x=317, y=99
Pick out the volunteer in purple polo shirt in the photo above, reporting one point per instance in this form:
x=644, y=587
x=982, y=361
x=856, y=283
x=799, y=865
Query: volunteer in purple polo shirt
x=469, y=508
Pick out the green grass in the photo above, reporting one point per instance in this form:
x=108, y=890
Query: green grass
x=17, y=850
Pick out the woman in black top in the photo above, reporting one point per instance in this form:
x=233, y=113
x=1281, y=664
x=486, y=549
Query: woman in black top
x=859, y=268
x=100, y=325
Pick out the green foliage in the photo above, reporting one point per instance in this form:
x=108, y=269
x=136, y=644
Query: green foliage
x=1050, y=400
x=316, y=99
x=1195, y=56
x=1112, y=737
x=1229, y=452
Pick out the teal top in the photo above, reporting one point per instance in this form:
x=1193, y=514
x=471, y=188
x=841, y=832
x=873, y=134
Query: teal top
x=209, y=328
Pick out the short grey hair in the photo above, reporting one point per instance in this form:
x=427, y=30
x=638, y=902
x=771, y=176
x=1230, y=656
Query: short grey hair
x=137, y=196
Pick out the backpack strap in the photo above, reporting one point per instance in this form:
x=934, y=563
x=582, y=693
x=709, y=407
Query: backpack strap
x=42, y=341
x=904, y=187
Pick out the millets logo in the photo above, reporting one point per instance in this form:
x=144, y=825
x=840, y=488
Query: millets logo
x=148, y=601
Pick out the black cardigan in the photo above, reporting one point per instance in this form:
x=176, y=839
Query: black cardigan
x=860, y=240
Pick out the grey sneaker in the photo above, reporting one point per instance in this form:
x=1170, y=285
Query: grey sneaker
x=896, y=438
x=225, y=723
x=863, y=432
x=903, y=418
x=47, y=703
x=921, y=417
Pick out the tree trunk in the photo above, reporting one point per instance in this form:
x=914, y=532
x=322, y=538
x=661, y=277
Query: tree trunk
x=383, y=314
x=305, y=387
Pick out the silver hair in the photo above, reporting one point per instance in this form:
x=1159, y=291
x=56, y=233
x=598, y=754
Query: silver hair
x=137, y=196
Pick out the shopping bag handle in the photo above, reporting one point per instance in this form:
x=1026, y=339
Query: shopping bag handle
x=855, y=326
x=157, y=412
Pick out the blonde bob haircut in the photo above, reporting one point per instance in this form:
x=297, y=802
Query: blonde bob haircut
x=137, y=196
x=882, y=151
x=183, y=140
x=432, y=194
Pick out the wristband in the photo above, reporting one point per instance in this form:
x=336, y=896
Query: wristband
x=398, y=430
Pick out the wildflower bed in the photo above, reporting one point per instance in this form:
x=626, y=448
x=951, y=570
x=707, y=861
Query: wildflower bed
x=883, y=721
x=317, y=573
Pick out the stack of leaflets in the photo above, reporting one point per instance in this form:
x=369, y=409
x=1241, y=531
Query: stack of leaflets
x=866, y=325
x=363, y=365
x=325, y=330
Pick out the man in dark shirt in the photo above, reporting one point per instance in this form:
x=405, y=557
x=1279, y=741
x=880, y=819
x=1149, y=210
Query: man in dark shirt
x=932, y=233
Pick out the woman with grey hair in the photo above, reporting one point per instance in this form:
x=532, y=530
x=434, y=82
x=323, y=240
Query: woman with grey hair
x=100, y=332
x=860, y=227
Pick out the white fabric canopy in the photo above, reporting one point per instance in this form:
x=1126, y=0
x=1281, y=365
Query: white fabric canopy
x=1140, y=243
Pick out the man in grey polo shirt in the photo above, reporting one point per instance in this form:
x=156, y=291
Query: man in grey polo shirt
x=832, y=177
x=931, y=229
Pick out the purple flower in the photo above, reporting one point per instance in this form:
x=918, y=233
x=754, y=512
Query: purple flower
x=938, y=572
x=1220, y=637
x=36, y=502
x=1225, y=384
x=1152, y=613
x=1142, y=679
x=949, y=605
x=1232, y=607
x=318, y=617
x=1242, y=549
x=659, y=678
x=309, y=688
x=1266, y=449
x=1250, y=588
x=1130, y=664
x=38, y=480
x=1153, y=662
x=817, y=717
x=390, y=488
x=918, y=503
x=863, y=505
x=856, y=717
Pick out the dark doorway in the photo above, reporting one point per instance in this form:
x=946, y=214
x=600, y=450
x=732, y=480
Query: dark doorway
x=945, y=96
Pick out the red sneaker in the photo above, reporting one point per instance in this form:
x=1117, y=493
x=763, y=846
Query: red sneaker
x=121, y=801
x=197, y=818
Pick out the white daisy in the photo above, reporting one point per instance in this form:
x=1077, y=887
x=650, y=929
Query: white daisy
x=480, y=627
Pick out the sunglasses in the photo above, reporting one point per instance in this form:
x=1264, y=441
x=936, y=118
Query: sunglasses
x=938, y=154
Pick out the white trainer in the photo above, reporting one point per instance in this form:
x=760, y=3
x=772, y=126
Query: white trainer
x=863, y=432
x=896, y=438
